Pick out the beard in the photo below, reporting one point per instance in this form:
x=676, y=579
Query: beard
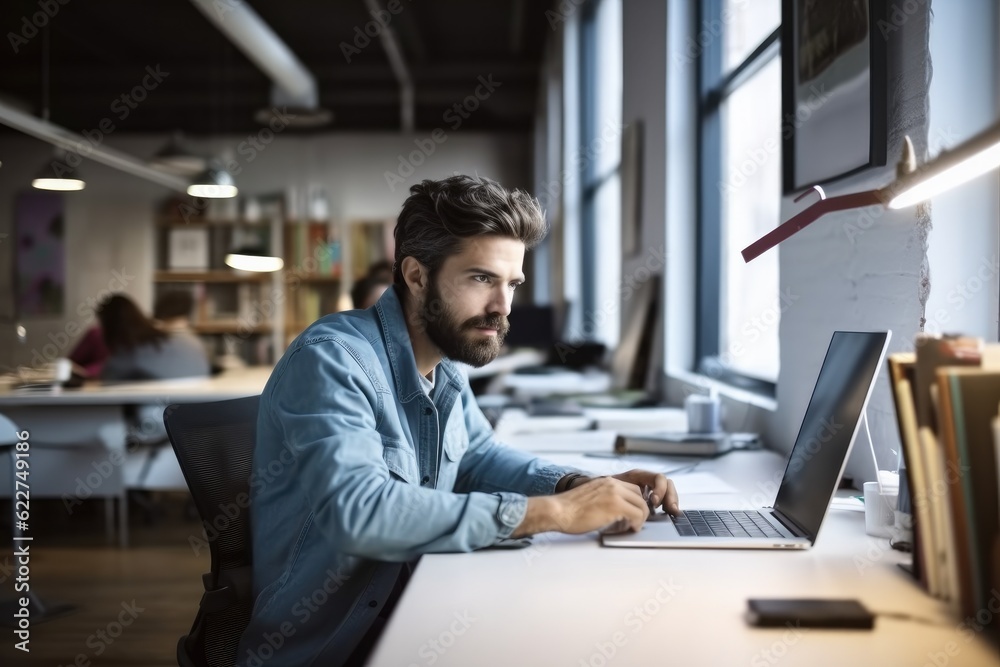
x=457, y=340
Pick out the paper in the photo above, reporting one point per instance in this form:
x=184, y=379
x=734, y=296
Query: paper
x=686, y=480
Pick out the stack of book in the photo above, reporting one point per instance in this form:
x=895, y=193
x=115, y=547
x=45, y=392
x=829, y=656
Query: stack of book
x=947, y=398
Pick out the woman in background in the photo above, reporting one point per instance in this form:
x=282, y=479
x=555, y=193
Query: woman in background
x=138, y=350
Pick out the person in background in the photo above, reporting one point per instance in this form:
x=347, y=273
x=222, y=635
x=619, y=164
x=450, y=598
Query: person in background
x=89, y=354
x=367, y=291
x=381, y=272
x=138, y=350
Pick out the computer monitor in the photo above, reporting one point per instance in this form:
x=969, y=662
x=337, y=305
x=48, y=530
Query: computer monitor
x=630, y=362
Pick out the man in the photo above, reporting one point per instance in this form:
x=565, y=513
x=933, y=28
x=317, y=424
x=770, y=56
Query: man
x=370, y=447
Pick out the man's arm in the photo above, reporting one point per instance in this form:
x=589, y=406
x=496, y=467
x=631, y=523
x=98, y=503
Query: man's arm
x=324, y=407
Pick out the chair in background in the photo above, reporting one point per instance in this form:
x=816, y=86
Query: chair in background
x=214, y=445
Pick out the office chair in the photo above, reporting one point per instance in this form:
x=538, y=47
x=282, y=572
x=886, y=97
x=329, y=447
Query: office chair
x=214, y=445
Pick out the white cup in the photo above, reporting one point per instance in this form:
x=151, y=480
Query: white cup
x=702, y=413
x=62, y=369
x=880, y=509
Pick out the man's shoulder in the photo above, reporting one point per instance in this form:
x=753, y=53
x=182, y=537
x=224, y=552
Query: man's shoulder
x=350, y=326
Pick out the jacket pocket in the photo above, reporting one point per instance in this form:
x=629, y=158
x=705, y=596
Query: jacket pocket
x=400, y=460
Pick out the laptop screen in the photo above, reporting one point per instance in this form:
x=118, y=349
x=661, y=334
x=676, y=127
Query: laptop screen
x=832, y=421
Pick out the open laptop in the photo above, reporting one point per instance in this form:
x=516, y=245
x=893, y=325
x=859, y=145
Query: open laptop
x=829, y=428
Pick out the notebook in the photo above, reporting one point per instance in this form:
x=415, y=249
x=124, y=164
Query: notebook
x=829, y=428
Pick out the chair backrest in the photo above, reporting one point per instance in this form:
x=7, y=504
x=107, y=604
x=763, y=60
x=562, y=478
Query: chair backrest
x=214, y=443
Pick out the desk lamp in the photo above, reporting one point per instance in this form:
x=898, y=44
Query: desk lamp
x=973, y=158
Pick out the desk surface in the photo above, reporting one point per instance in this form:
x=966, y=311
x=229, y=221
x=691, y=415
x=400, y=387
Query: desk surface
x=235, y=383
x=568, y=601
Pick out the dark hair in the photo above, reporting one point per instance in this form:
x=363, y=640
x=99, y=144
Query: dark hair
x=362, y=288
x=439, y=215
x=124, y=326
x=173, y=304
x=380, y=272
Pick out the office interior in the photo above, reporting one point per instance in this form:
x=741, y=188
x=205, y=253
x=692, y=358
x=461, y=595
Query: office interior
x=599, y=108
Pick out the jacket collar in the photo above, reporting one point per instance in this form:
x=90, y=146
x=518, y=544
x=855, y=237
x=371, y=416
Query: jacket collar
x=399, y=347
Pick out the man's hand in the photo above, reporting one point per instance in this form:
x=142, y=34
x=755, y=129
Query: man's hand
x=597, y=504
x=662, y=492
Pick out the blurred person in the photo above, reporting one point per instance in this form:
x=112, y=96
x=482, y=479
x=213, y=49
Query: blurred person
x=367, y=291
x=381, y=272
x=89, y=354
x=139, y=350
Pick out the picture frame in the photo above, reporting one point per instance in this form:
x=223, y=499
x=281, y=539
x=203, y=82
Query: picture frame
x=834, y=58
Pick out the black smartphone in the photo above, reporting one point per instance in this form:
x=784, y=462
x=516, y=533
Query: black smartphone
x=809, y=613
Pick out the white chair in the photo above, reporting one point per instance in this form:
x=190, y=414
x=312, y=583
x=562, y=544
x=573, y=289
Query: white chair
x=77, y=452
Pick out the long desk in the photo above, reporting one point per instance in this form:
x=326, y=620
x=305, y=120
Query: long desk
x=78, y=436
x=566, y=600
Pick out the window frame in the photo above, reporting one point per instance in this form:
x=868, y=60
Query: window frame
x=714, y=88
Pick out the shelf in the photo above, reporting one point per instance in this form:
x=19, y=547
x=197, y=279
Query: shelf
x=291, y=276
x=219, y=276
x=228, y=327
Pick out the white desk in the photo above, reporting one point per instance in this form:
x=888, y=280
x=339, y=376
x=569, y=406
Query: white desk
x=78, y=436
x=568, y=601
x=235, y=383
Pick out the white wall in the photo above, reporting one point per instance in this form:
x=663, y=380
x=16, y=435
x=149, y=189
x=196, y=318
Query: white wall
x=964, y=99
x=856, y=270
x=109, y=225
x=863, y=269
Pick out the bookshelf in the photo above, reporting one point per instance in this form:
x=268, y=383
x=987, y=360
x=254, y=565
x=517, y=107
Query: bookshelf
x=235, y=313
x=254, y=316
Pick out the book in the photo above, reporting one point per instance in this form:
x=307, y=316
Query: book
x=674, y=443
x=972, y=395
x=901, y=375
x=933, y=352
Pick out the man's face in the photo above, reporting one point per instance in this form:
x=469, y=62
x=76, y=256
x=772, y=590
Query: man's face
x=466, y=305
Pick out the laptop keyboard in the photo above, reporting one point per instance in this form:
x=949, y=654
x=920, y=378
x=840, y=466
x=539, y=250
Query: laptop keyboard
x=704, y=523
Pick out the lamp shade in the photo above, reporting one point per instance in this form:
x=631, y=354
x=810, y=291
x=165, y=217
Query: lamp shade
x=951, y=168
x=213, y=183
x=177, y=159
x=57, y=175
x=963, y=163
x=253, y=258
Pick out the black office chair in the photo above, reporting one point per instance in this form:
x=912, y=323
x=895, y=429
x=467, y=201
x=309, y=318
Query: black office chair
x=214, y=444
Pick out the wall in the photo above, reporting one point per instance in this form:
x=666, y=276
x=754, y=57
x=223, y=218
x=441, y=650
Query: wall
x=109, y=225
x=964, y=100
x=864, y=269
x=857, y=270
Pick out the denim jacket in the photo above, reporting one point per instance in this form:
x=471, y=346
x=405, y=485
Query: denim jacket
x=357, y=470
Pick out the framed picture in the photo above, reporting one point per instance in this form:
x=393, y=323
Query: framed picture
x=40, y=254
x=631, y=187
x=833, y=81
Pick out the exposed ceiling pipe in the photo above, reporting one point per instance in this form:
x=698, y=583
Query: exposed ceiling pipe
x=294, y=85
x=74, y=143
x=394, y=51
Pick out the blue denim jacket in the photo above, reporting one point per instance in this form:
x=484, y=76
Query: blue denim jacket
x=357, y=470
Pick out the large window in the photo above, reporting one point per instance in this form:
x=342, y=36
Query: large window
x=598, y=158
x=739, y=305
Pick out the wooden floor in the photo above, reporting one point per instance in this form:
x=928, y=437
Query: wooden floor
x=131, y=604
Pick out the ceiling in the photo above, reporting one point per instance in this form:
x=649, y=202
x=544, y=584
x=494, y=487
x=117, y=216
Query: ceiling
x=100, y=50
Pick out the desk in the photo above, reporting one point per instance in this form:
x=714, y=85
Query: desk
x=568, y=601
x=77, y=435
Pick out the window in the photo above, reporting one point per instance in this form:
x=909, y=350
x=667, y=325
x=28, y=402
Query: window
x=739, y=190
x=598, y=158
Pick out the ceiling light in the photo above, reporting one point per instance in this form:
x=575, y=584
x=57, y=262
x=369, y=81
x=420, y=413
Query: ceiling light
x=253, y=258
x=213, y=183
x=175, y=158
x=62, y=179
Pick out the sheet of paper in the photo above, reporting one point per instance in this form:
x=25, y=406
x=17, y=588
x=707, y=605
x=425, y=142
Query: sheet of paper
x=579, y=441
x=683, y=471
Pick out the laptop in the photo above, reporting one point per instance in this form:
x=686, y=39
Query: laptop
x=815, y=465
